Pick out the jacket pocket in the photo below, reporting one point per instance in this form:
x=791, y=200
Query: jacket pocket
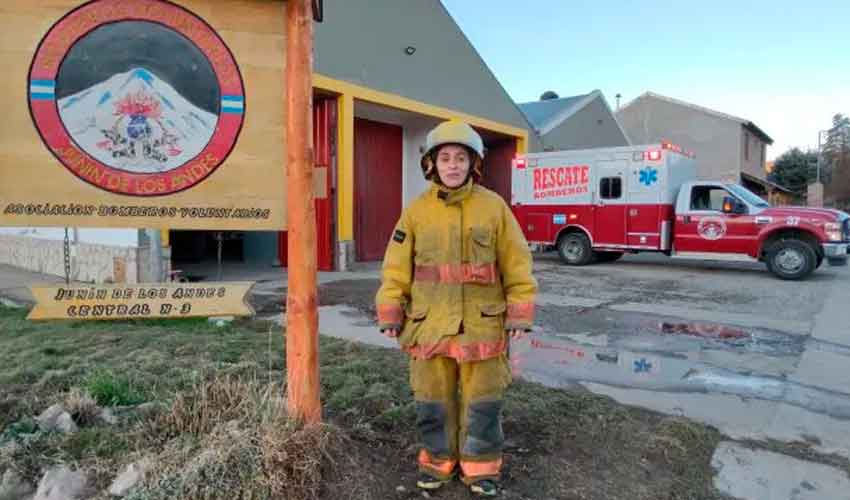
x=492, y=318
x=496, y=310
x=413, y=322
x=482, y=248
x=416, y=314
x=427, y=246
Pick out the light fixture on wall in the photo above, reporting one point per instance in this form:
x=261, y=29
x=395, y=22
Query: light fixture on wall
x=410, y=50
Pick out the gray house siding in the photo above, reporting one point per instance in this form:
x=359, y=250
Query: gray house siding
x=364, y=43
x=535, y=142
x=715, y=141
x=591, y=127
x=752, y=154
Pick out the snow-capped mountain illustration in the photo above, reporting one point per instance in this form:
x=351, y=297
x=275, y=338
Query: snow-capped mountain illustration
x=137, y=122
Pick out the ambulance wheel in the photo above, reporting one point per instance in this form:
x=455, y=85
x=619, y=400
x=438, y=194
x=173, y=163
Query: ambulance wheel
x=574, y=249
x=791, y=259
x=608, y=256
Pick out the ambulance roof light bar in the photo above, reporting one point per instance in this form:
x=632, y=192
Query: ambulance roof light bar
x=652, y=155
x=665, y=144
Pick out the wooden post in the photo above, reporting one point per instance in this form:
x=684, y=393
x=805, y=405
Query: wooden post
x=302, y=320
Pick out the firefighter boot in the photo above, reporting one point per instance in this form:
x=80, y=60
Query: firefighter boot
x=484, y=488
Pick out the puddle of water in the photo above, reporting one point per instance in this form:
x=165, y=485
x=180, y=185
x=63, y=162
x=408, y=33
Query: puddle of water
x=636, y=352
x=701, y=329
x=556, y=362
x=647, y=332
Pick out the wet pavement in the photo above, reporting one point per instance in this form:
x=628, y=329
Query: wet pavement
x=728, y=345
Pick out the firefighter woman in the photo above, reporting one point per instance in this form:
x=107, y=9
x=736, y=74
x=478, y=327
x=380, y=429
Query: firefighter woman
x=457, y=284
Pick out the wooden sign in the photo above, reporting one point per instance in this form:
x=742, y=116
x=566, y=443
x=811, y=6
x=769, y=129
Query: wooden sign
x=143, y=113
x=154, y=300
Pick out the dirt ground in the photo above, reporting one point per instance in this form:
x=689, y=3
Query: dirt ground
x=561, y=444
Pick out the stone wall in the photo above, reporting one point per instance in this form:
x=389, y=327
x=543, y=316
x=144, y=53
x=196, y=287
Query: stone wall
x=89, y=262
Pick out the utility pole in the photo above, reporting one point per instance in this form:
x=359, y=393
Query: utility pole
x=155, y=255
x=820, y=151
x=815, y=194
x=302, y=320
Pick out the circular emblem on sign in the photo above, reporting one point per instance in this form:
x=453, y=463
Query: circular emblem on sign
x=137, y=97
x=711, y=228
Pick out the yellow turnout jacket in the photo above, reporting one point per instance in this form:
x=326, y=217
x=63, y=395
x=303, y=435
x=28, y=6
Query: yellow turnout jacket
x=456, y=275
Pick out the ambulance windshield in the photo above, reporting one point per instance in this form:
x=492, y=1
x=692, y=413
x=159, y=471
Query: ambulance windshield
x=748, y=196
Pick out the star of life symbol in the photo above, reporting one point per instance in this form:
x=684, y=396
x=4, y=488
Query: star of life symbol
x=642, y=366
x=648, y=176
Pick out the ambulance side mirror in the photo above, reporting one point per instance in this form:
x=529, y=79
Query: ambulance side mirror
x=733, y=206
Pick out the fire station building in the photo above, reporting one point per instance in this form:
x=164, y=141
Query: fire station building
x=385, y=73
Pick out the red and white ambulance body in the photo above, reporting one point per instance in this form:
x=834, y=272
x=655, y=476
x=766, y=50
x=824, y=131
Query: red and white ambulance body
x=597, y=204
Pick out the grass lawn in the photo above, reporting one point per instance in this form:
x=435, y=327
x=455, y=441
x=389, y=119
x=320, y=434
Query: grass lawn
x=204, y=405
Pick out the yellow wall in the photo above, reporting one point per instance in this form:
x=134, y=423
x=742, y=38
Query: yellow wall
x=348, y=92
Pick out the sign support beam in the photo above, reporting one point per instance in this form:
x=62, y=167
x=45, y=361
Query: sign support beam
x=302, y=319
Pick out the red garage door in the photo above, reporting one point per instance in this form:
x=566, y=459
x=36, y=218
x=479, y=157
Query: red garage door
x=324, y=135
x=497, y=167
x=377, y=186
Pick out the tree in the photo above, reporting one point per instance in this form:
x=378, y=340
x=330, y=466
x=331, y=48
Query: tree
x=835, y=159
x=836, y=149
x=795, y=169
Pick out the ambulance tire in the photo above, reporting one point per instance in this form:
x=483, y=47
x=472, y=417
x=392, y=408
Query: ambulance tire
x=574, y=250
x=608, y=256
x=791, y=259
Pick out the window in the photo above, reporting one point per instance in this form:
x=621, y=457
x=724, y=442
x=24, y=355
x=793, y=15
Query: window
x=611, y=188
x=708, y=198
x=747, y=195
x=746, y=146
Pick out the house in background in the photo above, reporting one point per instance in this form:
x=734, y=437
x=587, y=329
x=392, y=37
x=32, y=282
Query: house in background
x=781, y=196
x=727, y=147
x=576, y=122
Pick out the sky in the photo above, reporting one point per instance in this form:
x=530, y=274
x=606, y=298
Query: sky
x=784, y=65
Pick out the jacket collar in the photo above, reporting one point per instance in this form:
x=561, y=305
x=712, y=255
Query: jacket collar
x=452, y=196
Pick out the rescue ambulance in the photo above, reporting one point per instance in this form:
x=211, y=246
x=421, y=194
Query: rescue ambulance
x=596, y=205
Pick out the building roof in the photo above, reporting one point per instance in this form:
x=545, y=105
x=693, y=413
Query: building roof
x=541, y=113
x=747, y=124
x=547, y=114
x=766, y=183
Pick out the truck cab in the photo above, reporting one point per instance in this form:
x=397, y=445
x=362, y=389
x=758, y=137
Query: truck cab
x=721, y=221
